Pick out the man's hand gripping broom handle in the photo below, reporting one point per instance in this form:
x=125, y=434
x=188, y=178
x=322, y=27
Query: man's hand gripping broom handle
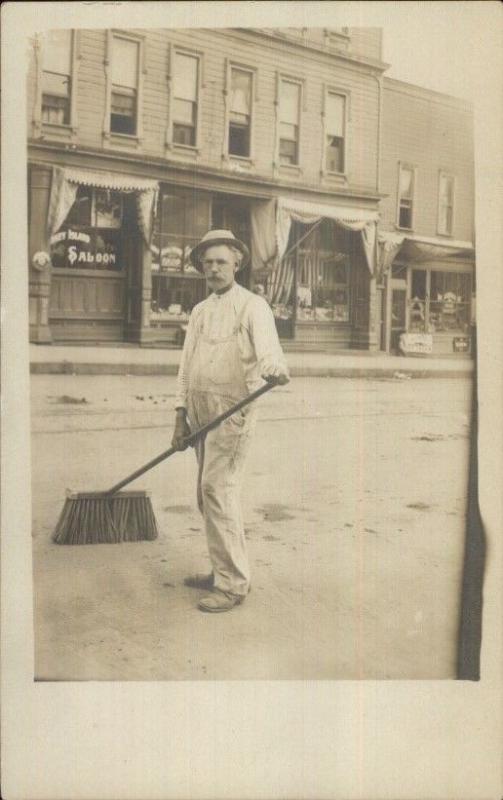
x=192, y=438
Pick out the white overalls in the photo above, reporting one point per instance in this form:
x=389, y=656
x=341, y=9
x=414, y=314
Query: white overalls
x=216, y=380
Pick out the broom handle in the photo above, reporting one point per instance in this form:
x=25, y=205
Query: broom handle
x=192, y=438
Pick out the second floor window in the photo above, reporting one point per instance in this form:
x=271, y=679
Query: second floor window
x=56, y=77
x=185, y=98
x=240, y=112
x=406, y=182
x=335, y=126
x=445, y=203
x=124, y=97
x=289, y=114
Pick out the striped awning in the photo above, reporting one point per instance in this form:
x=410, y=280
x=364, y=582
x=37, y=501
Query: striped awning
x=110, y=180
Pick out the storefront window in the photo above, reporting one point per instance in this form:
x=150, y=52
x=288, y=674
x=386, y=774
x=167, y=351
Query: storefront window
x=450, y=294
x=183, y=217
x=417, y=305
x=322, y=267
x=444, y=307
x=90, y=236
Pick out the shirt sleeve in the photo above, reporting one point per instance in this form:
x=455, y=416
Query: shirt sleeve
x=265, y=338
x=182, y=381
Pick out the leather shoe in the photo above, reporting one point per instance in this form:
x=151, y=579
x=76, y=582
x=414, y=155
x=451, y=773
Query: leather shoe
x=219, y=601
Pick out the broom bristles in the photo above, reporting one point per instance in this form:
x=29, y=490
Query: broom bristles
x=94, y=518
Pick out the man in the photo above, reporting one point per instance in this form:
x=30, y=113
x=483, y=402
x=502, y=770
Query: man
x=231, y=346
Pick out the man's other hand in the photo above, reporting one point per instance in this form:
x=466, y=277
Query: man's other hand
x=276, y=375
x=181, y=432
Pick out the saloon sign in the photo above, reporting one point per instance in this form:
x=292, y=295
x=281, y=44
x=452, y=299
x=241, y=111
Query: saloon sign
x=78, y=251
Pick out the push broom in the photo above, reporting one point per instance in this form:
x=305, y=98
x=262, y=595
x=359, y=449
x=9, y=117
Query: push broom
x=113, y=516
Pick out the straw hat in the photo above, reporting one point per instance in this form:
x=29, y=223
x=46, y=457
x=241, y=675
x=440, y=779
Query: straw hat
x=217, y=237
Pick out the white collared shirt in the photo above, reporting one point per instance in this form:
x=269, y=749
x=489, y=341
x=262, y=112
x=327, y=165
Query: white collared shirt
x=258, y=341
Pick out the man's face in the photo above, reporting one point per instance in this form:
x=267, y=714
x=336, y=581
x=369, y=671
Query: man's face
x=219, y=265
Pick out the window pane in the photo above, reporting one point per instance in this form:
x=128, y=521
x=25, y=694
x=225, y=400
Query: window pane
x=56, y=51
x=289, y=101
x=173, y=214
x=55, y=110
x=335, y=154
x=405, y=217
x=184, y=134
x=108, y=209
x=239, y=140
x=197, y=214
x=287, y=151
x=80, y=212
x=241, y=83
x=55, y=84
x=418, y=288
x=123, y=113
x=287, y=131
x=446, y=190
x=123, y=104
x=184, y=111
x=124, y=62
x=445, y=219
x=185, y=77
x=335, y=112
x=406, y=186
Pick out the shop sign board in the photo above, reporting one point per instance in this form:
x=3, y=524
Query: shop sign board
x=416, y=343
x=461, y=344
x=78, y=249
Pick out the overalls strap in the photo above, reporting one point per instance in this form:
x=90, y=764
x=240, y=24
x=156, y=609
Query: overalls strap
x=241, y=315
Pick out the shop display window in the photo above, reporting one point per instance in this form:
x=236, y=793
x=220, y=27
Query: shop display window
x=319, y=275
x=450, y=294
x=182, y=218
x=439, y=301
x=417, y=303
x=90, y=237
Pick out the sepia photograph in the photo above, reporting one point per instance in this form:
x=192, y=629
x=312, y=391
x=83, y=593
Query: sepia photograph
x=212, y=211
x=251, y=401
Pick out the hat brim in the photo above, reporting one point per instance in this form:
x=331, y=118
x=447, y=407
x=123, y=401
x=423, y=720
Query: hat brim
x=197, y=252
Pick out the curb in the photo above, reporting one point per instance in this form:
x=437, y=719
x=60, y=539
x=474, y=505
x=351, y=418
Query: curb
x=82, y=368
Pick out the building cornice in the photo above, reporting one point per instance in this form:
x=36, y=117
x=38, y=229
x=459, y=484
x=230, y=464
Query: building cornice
x=185, y=174
x=351, y=59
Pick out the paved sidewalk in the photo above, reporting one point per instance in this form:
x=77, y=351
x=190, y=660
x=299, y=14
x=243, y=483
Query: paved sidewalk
x=134, y=360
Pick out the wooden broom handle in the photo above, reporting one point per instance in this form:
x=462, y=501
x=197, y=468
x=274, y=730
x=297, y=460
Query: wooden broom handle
x=192, y=438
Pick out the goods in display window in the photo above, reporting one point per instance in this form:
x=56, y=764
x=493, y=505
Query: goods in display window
x=440, y=301
x=182, y=218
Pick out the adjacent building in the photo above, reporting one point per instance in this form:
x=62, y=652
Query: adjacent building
x=141, y=140
x=426, y=229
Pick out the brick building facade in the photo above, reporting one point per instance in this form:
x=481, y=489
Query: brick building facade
x=141, y=140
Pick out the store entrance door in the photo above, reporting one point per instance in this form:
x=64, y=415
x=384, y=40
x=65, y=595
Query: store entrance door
x=232, y=213
x=398, y=313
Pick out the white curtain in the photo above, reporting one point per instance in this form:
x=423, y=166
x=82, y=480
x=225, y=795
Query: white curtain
x=263, y=234
x=365, y=222
x=389, y=244
x=62, y=198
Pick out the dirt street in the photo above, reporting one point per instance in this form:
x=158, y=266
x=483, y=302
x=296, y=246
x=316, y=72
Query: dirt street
x=354, y=506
